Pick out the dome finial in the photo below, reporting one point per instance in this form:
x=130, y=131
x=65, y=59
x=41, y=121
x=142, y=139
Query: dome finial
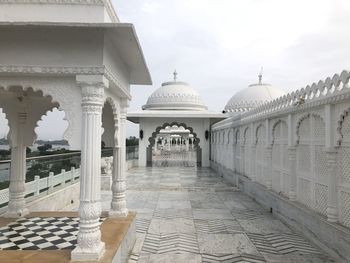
x=175, y=75
x=260, y=75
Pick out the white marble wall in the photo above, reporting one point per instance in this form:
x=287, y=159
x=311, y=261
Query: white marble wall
x=298, y=146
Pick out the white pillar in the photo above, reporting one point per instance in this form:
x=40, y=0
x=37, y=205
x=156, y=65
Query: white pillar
x=118, y=204
x=89, y=246
x=332, y=206
x=292, y=155
x=242, y=160
x=253, y=162
x=268, y=177
x=16, y=206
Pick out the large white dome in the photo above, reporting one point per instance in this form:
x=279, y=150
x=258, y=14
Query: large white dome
x=253, y=96
x=175, y=95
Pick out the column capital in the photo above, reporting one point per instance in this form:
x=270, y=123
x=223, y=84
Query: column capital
x=91, y=80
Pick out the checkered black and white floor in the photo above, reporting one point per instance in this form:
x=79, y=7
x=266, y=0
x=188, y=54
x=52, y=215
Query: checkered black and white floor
x=40, y=233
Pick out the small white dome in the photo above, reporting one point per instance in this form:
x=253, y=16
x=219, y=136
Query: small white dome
x=175, y=95
x=253, y=96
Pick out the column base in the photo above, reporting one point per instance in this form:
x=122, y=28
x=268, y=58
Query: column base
x=79, y=254
x=332, y=215
x=115, y=213
x=17, y=214
x=269, y=186
x=292, y=196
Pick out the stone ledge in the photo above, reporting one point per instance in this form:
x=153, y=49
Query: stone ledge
x=118, y=234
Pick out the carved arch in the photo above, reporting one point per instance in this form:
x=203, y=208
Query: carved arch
x=63, y=91
x=300, y=120
x=245, y=131
x=151, y=139
x=230, y=136
x=35, y=113
x=275, y=124
x=340, y=126
x=237, y=134
x=261, y=125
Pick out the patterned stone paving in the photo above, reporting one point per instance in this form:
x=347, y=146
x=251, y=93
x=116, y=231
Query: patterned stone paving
x=40, y=233
x=187, y=214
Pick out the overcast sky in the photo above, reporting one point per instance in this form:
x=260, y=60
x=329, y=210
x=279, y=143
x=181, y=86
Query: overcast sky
x=219, y=46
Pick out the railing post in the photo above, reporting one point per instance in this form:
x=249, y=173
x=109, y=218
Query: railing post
x=63, y=174
x=72, y=174
x=50, y=181
x=37, y=186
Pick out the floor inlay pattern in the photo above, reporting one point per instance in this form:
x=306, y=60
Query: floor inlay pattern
x=40, y=233
x=172, y=214
x=190, y=214
x=142, y=225
x=170, y=243
x=232, y=258
x=217, y=226
x=282, y=244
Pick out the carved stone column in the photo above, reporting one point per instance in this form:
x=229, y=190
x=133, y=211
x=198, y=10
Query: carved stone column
x=89, y=246
x=332, y=209
x=268, y=176
x=118, y=204
x=16, y=206
x=292, y=155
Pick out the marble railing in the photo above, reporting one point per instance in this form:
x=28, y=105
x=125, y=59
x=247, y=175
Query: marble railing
x=297, y=146
x=40, y=186
x=319, y=93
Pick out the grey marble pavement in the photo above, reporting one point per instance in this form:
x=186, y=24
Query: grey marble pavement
x=188, y=214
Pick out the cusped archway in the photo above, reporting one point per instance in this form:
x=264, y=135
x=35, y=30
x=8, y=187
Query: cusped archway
x=192, y=150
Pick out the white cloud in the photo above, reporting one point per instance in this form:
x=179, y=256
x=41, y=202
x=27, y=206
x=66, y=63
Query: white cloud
x=218, y=46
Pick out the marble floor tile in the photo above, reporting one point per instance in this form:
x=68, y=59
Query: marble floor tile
x=166, y=226
x=174, y=204
x=212, y=214
x=263, y=226
x=189, y=214
x=225, y=243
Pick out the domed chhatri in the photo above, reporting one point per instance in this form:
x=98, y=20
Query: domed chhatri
x=253, y=96
x=175, y=95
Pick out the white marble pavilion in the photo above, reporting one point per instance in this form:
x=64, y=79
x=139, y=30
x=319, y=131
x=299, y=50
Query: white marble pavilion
x=78, y=57
x=174, y=103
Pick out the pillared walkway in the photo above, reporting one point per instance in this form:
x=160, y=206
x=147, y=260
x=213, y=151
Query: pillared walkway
x=192, y=215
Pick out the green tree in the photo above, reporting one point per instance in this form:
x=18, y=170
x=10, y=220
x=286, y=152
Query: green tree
x=132, y=141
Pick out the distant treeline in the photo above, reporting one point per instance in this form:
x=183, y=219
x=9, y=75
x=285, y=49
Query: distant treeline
x=4, y=141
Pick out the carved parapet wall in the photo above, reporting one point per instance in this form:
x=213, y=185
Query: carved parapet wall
x=296, y=146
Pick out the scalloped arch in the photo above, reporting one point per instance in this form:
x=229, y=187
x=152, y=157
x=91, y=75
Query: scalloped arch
x=151, y=139
x=277, y=122
x=300, y=120
x=115, y=106
x=64, y=92
x=260, y=125
x=41, y=93
x=246, y=130
x=340, y=125
x=237, y=136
